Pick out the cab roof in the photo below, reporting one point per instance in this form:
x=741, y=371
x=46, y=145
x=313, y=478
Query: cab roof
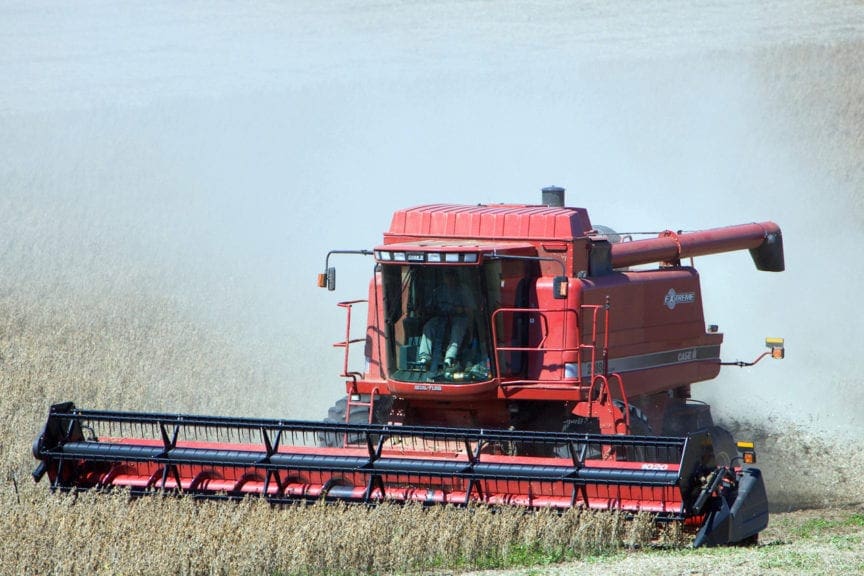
x=511, y=222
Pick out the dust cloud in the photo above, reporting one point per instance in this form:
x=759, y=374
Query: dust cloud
x=206, y=159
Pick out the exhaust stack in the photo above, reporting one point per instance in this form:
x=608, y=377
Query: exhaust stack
x=553, y=196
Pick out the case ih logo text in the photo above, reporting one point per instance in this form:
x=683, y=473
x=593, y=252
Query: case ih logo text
x=672, y=298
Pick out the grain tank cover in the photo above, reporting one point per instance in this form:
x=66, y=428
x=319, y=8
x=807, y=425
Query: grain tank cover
x=508, y=222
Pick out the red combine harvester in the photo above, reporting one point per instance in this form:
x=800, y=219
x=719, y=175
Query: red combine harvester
x=513, y=355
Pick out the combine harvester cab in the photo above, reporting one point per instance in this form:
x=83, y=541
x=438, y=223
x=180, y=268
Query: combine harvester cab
x=513, y=355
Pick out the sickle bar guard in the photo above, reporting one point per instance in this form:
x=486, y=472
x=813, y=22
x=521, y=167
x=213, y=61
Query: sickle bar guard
x=219, y=457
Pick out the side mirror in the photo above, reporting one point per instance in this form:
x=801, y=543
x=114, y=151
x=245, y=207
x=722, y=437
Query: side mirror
x=327, y=279
x=560, y=286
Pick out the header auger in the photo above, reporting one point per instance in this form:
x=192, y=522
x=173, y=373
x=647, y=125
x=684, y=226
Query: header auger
x=512, y=356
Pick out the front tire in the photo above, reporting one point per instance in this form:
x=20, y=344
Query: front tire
x=359, y=416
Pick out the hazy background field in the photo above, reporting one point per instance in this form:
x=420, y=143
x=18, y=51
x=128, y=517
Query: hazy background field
x=172, y=175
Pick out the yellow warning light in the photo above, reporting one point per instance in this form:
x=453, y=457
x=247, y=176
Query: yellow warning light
x=745, y=445
x=322, y=280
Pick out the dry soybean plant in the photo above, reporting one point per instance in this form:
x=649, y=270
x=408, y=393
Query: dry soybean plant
x=92, y=533
x=141, y=355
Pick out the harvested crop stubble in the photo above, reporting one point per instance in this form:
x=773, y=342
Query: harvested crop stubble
x=93, y=533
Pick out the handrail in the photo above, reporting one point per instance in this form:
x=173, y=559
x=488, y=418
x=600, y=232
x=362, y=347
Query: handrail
x=348, y=340
x=541, y=347
x=580, y=349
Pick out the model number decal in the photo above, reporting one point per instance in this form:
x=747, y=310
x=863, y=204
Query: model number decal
x=427, y=387
x=687, y=355
x=655, y=467
x=673, y=298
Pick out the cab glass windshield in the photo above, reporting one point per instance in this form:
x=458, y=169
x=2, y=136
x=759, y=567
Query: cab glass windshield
x=437, y=323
